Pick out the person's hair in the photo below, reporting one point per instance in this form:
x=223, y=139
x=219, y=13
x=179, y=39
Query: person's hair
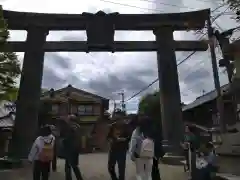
x=209, y=145
x=191, y=129
x=143, y=121
x=45, y=131
x=145, y=127
x=133, y=122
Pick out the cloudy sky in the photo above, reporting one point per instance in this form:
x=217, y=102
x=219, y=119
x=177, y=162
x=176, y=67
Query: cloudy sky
x=107, y=74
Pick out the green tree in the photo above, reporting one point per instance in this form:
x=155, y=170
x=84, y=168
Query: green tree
x=9, y=63
x=10, y=95
x=150, y=106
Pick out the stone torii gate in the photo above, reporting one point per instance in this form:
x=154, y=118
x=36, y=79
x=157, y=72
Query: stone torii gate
x=100, y=28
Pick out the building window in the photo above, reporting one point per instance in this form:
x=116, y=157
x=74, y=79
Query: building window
x=81, y=109
x=55, y=108
x=89, y=109
x=85, y=109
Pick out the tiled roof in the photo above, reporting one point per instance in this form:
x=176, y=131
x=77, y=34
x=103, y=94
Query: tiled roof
x=205, y=98
x=73, y=89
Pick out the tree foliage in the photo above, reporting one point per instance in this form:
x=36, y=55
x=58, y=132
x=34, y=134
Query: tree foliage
x=150, y=105
x=10, y=95
x=235, y=7
x=9, y=63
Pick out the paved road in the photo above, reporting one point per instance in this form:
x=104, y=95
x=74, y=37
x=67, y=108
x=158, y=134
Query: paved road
x=94, y=167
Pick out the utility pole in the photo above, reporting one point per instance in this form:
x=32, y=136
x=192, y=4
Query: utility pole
x=220, y=105
x=224, y=41
x=123, y=101
x=227, y=61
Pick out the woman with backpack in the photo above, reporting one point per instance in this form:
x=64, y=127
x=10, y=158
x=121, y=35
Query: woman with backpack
x=42, y=153
x=141, y=150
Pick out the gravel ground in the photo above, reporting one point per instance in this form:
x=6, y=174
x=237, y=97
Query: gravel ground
x=94, y=167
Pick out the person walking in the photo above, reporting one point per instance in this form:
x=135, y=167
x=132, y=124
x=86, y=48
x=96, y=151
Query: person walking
x=118, y=139
x=71, y=148
x=141, y=150
x=41, y=154
x=189, y=138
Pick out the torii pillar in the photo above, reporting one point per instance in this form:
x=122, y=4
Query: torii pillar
x=170, y=98
x=29, y=93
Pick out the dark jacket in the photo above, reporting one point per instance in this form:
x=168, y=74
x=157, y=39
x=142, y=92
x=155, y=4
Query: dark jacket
x=116, y=145
x=70, y=151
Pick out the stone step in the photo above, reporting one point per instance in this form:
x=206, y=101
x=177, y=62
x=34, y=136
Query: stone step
x=228, y=176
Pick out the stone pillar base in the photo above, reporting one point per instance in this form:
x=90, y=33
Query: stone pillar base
x=172, y=148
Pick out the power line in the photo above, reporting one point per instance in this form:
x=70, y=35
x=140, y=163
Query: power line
x=174, y=5
x=167, y=4
x=150, y=9
x=128, y=5
x=192, y=87
x=145, y=88
x=191, y=54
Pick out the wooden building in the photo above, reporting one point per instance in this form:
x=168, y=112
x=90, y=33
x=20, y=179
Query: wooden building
x=203, y=111
x=203, y=114
x=7, y=117
x=90, y=110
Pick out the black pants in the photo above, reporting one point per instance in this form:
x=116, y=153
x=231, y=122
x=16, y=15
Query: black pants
x=72, y=165
x=41, y=170
x=186, y=155
x=54, y=161
x=155, y=170
x=120, y=159
x=205, y=173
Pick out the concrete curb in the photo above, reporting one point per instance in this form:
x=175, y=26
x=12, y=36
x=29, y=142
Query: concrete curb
x=229, y=176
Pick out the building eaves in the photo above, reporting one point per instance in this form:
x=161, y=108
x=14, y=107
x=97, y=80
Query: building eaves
x=73, y=89
x=205, y=98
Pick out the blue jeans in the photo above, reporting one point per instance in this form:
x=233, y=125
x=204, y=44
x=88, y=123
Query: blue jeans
x=205, y=173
